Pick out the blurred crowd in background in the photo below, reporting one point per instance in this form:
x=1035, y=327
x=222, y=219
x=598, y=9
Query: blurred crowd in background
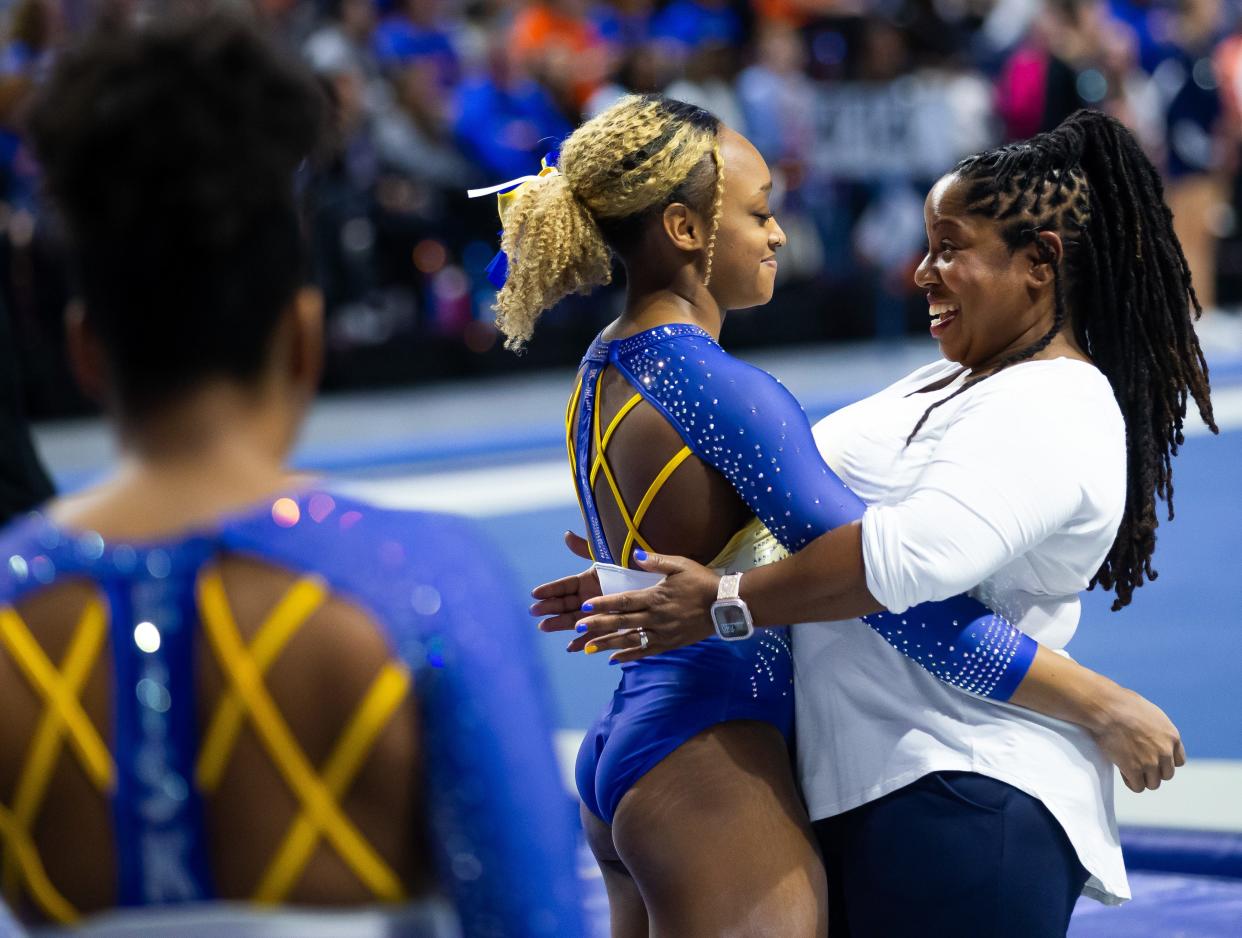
x=858, y=106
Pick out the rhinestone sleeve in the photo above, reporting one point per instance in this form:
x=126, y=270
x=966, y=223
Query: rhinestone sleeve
x=744, y=423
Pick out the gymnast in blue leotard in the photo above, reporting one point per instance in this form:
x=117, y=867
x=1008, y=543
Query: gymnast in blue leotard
x=225, y=687
x=687, y=798
x=417, y=669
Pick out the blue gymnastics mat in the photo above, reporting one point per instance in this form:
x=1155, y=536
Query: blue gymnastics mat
x=1186, y=884
x=1166, y=905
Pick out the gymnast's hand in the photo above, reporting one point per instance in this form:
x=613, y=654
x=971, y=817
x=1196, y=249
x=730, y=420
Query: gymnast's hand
x=1132, y=732
x=561, y=600
x=672, y=614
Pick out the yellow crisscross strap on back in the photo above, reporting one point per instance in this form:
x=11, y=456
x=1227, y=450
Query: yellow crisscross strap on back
x=17, y=837
x=385, y=695
x=649, y=496
x=602, y=440
x=298, y=604
x=321, y=813
x=62, y=714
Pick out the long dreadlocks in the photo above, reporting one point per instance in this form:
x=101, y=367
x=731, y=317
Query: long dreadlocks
x=1124, y=284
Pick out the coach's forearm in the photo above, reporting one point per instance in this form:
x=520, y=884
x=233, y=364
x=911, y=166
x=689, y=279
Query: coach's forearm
x=1060, y=687
x=823, y=581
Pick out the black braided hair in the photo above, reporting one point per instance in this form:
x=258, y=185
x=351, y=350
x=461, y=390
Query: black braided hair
x=1125, y=280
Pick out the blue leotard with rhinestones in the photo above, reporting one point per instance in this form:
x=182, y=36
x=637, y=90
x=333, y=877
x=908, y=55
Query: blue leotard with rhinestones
x=745, y=424
x=502, y=825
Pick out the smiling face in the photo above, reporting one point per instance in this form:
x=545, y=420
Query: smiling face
x=986, y=300
x=744, y=262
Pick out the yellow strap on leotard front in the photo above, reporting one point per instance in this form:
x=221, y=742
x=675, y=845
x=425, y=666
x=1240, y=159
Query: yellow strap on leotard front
x=62, y=714
x=319, y=801
x=301, y=601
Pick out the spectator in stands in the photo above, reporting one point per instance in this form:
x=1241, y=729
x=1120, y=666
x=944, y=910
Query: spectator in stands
x=777, y=98
x=623, y=24
x=34, y=29
x=778, y=102
x=415, y=132
x=641, y=69
x=506, y=120
x=1076, y=55
x=559, y=44
x=709, y=81
x=705, y=38
x=1196, y=188
x=417, y=29
x=343, y=190
x=347, y=32
x=1037, y=86
x=694, y=23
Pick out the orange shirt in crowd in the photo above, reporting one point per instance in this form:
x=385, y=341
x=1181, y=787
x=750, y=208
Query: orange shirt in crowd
x=566, y=45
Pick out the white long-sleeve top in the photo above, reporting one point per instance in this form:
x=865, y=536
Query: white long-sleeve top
x=1013, y=492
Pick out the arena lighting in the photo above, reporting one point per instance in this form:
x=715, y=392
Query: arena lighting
x=430, y=255
x=147, y=637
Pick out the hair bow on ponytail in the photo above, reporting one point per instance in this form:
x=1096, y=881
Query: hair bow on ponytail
x=506, y=192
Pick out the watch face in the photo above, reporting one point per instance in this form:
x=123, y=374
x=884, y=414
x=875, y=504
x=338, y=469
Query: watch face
x=731, y=621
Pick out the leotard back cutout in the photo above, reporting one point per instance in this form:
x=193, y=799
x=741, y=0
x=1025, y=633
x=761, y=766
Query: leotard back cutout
x=436, y=594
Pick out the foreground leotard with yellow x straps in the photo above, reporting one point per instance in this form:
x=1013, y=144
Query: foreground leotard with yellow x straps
x=435, y=589
x=742, y=422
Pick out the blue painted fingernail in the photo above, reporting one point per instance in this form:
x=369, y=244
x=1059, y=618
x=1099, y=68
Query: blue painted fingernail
x=580, y=627
x=640, y=554
x=587, y=607
x=613, y=661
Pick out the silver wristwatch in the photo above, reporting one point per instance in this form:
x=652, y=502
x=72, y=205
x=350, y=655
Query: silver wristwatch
x=730, y=614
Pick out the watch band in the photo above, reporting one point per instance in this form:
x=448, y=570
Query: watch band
x=729, y=585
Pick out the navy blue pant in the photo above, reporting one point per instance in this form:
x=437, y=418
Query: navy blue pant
x=954, y=855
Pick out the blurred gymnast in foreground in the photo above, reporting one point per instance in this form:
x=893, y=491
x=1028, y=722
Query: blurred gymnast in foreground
x=221, y=682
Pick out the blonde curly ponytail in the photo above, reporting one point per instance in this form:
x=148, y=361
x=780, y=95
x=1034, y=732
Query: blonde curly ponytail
x=637, y=156
x=554, y=248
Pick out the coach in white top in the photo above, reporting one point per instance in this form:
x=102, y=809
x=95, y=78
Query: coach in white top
x=1012, y=492
x=1023, y=467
